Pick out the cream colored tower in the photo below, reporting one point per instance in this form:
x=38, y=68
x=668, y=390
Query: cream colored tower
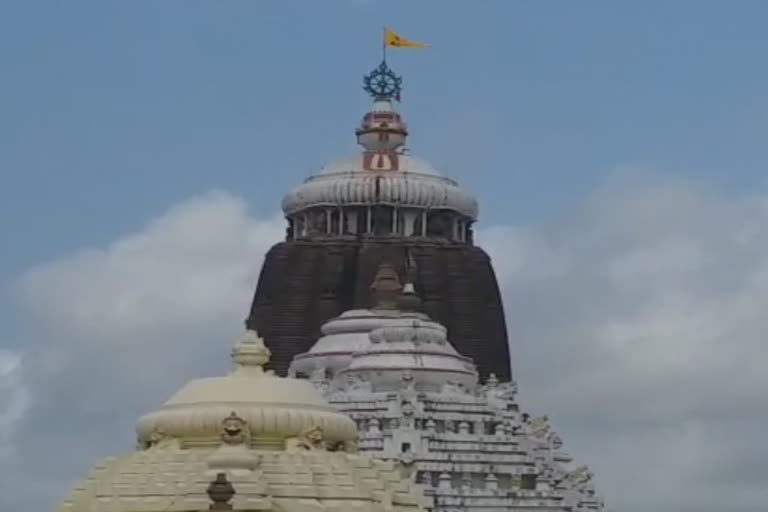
x=281, y=445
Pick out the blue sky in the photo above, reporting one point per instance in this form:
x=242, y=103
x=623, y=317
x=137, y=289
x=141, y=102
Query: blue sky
x=110, y=111
x=114, y=112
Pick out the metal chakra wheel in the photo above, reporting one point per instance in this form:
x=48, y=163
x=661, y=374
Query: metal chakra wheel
x=382, y=83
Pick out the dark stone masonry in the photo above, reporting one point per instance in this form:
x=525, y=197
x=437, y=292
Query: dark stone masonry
x=305, y=283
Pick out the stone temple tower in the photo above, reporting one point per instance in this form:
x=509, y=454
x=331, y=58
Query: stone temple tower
x=382, y=204
x=418, y=402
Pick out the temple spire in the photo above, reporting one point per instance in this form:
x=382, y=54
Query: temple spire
x=250, y=354
x=382, y=132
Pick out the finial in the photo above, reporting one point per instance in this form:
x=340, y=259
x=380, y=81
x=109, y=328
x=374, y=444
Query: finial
x=250, y=352
x=386, y=288
x=382, y=131
x=220, y=492
x=408, y=300
x=382, y=83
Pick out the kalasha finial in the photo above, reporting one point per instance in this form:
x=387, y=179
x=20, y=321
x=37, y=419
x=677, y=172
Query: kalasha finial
x=382, y=83
x=386, y=287
x=250, y=351
x=382, y=131
x=221, y=492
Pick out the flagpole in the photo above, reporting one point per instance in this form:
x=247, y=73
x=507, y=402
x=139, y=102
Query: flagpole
x=384, y=44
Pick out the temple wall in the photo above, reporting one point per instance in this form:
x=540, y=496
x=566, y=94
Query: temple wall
x=305, y=283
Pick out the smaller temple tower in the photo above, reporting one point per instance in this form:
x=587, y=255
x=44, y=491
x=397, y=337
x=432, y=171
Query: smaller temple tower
x=418, y=402
x=268, y=443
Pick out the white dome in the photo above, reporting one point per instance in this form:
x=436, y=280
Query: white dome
x=342, y=337
x=411, y=344
x=416, y=184
x=274, y=407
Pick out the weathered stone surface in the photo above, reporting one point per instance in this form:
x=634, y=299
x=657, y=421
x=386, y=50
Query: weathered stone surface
x=282, y=447
x=418, y=403
x=305, y=283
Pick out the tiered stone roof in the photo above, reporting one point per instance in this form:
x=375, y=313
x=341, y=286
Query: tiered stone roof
x=277, y=441
x=467, y=442
x=175, y=479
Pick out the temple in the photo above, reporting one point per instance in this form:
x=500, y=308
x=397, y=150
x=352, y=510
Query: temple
x=381, y=205
x=420, y=403
x=383, y=381
x=246, y=441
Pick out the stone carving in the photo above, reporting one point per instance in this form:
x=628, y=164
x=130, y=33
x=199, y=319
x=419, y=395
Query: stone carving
x=547, y=473
x=318, y=375
x=407, y=410
x=311, y=439
x=407, y=458
x=580, y=475
x=555, y=441
x=344, y=446
x=501, y=392
x=355, y=383
x=446, y=423
x=408, y=380
x=320, y=380
x=374, y=426
x=155, y=438
x=452, y=388
x=539, y=427
x=235, y=430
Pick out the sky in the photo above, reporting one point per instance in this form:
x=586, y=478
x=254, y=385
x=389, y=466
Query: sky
x=616, y=148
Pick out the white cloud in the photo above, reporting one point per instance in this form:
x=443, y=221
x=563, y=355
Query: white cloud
x=636, y=322
x=200, y=259
x=14, y=398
